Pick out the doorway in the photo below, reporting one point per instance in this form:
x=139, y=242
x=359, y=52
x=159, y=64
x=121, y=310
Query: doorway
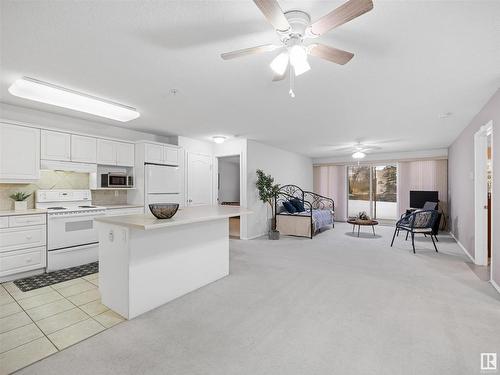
x=228, y=188
x=373, y=189
x=483, y=199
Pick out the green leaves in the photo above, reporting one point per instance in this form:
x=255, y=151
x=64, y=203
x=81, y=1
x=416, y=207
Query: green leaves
x=19, y=196
x=266, y=187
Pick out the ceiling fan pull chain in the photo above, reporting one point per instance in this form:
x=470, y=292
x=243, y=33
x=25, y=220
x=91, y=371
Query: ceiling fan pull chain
x=292, y=82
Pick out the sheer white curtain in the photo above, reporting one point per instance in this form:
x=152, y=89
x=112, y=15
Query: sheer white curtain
x=330, y=181
x=422, y=175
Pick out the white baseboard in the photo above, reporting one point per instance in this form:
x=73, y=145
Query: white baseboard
x=462, y=247
x=495, y=285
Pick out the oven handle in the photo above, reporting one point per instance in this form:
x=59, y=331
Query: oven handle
x=53, y=217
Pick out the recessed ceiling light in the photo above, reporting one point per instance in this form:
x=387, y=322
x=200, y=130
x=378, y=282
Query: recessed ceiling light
x=358, y=155
x=219, y=138
x=33, y=89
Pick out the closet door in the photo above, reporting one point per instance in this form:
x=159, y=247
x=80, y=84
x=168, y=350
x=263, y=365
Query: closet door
x=199, y=179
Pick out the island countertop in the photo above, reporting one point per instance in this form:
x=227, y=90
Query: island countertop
x=185, y=215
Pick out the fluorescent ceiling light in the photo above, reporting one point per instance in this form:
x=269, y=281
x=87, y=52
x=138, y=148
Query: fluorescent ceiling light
x=280, y=63
x=219, y=139
x=298, y=59
x=29, y=88
x=358, y=155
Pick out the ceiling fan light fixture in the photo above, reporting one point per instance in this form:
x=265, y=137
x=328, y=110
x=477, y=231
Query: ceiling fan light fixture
x=280, y=63
x=298, y=59
x=358, y=155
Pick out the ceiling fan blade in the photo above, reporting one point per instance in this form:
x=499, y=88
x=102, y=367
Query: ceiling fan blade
x=344, y=13
x=273, y=13
x=248, y=51
x=335, y=55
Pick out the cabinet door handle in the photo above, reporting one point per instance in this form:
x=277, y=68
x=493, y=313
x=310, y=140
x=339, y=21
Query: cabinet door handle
x=28, y=237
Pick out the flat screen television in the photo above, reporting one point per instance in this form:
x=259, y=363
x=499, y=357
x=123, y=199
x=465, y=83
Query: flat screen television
x=419, y=197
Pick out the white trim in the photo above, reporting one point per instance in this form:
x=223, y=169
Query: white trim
x=481, y=194
x=495, y=285
x=462, y=247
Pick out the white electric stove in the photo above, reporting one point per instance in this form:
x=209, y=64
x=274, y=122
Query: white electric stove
x=72, y=238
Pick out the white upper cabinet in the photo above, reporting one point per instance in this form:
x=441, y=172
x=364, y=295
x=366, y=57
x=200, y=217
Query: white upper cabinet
x=159, y=154
x=154, y=153
x=19, y=153
x=56, y=146
x=115, y=153
x=83, y=149
x=171, y=155
x=124, y=154
x=106, y=152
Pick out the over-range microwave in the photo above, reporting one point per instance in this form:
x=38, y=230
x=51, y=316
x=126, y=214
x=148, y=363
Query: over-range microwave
x=116, y=180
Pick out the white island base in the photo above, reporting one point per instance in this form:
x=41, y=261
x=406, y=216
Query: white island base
x=145, y=262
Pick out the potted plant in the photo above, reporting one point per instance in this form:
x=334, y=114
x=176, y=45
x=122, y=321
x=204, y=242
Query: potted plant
x=267, y=193
x=19, y=199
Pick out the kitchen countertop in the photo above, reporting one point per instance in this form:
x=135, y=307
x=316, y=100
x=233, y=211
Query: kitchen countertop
x=185, y=215
x=31, y=211
x=123, y=205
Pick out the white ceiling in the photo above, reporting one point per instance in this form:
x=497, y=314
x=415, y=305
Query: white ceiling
x=413, y=61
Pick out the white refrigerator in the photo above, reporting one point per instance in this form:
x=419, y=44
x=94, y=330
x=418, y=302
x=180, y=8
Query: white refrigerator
x=163, y=184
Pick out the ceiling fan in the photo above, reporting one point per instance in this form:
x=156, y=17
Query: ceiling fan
x=294, y=28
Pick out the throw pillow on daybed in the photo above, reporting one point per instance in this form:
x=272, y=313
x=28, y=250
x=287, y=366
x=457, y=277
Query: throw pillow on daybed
x=297, y=203
x=290, y=208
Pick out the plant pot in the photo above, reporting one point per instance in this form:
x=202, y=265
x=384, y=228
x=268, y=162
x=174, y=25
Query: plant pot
x=274, y=235
x=20, y=205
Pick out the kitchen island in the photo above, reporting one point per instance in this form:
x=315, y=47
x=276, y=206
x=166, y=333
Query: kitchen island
x=145, y=262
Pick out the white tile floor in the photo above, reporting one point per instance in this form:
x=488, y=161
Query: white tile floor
x=38, y=323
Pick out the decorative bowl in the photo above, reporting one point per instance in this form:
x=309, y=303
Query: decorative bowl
x=164, y=210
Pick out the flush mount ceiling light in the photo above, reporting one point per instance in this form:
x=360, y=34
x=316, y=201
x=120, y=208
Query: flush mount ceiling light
x=358, y=155
x=219, y=139
x=294, y=29
x=33, y=89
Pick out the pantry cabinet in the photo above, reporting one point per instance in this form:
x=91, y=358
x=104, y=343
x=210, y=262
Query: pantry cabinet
x=19, y=153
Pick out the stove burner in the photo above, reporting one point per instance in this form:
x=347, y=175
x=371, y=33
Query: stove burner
x=56, y=208
x=87, y=206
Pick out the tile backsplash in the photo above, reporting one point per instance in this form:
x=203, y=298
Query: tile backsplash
x=58, y=180
x=100, y=197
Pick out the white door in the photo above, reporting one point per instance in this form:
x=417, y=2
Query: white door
x=171, y=156
x=162, y=179
x=199, y=180
x=56, y=146
x=124, y=154
x=83, y=149
x=154, y=153
x=106, y=152
x=19, y=153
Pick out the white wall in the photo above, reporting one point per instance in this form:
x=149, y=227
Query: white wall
x=229, y=180
x=286, y=168
x=441, y=153
x=48, y=119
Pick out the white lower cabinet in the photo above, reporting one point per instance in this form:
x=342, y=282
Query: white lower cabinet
x=12, y=262
x=23, y=245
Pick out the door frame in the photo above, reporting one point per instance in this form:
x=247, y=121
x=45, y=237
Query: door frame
x=481, y=194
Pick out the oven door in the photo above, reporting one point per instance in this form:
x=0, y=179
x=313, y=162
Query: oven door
x=68, y=230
